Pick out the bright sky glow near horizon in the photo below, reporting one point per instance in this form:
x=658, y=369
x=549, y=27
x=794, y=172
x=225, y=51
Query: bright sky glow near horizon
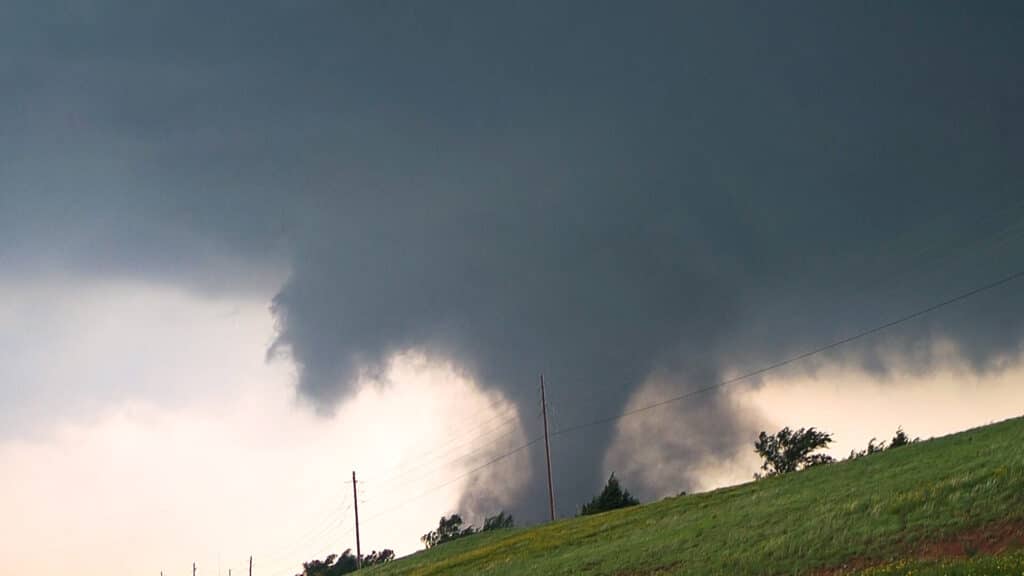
x=248, y=248
x=238, y=466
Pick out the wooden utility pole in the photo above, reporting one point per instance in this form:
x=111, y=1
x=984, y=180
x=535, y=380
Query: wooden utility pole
x=355, y=504
x=547, y=446
x=193, y=569
x=250, y=565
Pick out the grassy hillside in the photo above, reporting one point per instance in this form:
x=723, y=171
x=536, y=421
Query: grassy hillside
x=920, y=508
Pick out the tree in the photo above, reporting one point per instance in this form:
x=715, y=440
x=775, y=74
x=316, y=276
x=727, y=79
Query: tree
x=333, y=565
x=448, y=529
x=901, y=439
x=498, y=522
x=613, y=496
x=382, y=557
x=871, y=449
x=791, y=450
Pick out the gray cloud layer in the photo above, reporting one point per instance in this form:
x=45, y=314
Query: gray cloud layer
x=584, y=189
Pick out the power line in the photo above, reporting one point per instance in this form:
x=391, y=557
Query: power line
x=314, y=532
x=802, y=356
x=340, y=521
x=460, y=434
x=285, y=567
x=419, y=465
x=463, y=457
x=322, y=552
x=437, y=487
x=459, y=477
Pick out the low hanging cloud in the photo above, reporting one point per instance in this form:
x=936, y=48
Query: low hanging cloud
x=597, y=194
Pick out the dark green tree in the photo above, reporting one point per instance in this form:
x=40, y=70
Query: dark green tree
x=901, y=439
x=613, y=496
x=871, y=449
x=384, y=556
x=333, y=565
x=498, y=522
x=791, y=450
x=448, y=529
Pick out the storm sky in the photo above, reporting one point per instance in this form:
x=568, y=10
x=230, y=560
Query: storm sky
x=634, y=200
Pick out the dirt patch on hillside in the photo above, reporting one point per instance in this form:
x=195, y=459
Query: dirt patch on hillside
x=987, y=540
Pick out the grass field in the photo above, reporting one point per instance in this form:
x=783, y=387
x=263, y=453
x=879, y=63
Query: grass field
x=952, y=505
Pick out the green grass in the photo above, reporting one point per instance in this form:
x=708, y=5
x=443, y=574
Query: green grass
x=875, y=509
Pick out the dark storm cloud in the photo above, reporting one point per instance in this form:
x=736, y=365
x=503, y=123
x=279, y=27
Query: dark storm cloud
x=591, y=190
